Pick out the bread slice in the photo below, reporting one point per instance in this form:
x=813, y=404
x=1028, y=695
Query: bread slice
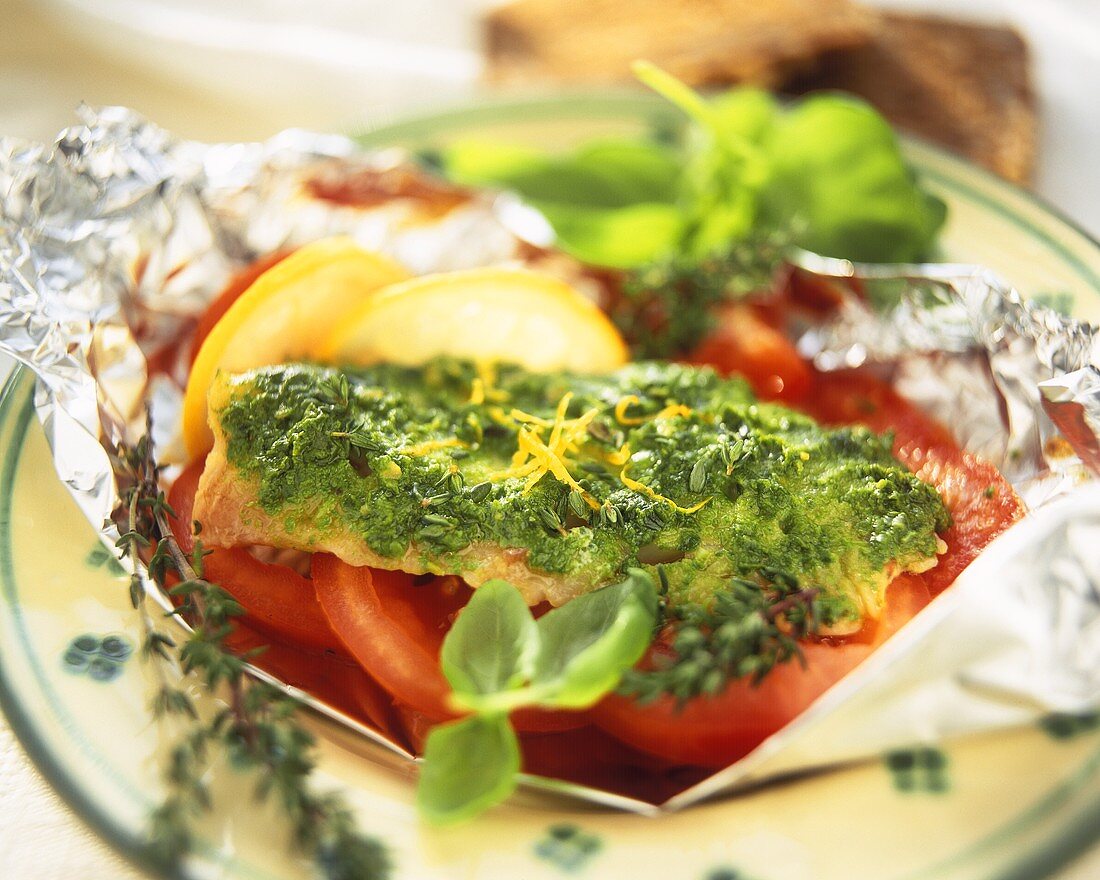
x=964, y=85
x=699, y=41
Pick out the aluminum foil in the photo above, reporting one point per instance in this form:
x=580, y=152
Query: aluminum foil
x=115, y=238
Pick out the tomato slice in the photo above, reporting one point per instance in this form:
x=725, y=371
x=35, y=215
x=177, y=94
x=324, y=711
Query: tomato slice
x=328, y=675
x=278, y=601
x=392, y=626
x=394, y=623
x=716, y=731
x=815, y=293
x=720, y=730
x=746, y=344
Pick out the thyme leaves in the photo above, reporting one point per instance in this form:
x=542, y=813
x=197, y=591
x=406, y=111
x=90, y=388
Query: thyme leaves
x=668, y=307
x=748, y=629
x=256, y=728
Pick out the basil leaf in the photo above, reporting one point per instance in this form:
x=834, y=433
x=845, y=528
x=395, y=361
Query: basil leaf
x=745, y=115
x=829, y=168
x=469, y=766
x=498, y=658
x=600, y=174
x=589, y=643
x=611, y=202
x=493, y=643
x=837, y=172
x=619, y=238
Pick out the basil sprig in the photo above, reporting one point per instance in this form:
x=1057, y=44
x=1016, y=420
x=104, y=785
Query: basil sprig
x=826, y=171
x=498, y=658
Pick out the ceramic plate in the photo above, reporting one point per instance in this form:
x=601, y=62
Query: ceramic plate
x=1015, y=804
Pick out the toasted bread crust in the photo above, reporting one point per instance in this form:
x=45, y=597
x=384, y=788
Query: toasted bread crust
x=699, y=41
x=963, y=85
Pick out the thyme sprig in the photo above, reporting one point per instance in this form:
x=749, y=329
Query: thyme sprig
x=750, y=627
x=667, y=308
x=256, y=729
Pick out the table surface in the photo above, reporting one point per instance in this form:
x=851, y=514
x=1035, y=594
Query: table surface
x=48, y=65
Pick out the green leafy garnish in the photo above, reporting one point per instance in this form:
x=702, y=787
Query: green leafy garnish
x=666, y=308
x=618, y=238
x=836, y=169
x=747, y=630
x=612, y=202
x=498, y=658
x=587, y=644
x=492, y=647
x=258, y=728
x=608, y=173
x=469, y=766
x=724, y=168
x=827, y=171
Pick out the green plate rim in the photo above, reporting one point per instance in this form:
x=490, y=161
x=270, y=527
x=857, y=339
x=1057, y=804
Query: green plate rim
x=44, y=760
x=133, y=847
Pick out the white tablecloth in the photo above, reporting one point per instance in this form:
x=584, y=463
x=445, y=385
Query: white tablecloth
x=52, y=60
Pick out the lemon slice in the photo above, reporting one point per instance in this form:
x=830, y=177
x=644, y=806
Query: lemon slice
x=282, y=316
x=508, y=315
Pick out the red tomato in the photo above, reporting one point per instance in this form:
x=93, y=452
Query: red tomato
x=981, y=502
x=237, y=285
x=813, y=292
x=720, y=730
x=716, y=731
x=591, y=756
x=278, y=600
x=394, y=626
x=326, y=674
x=746, y=344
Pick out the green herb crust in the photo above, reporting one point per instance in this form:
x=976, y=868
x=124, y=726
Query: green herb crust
x=664, y=463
